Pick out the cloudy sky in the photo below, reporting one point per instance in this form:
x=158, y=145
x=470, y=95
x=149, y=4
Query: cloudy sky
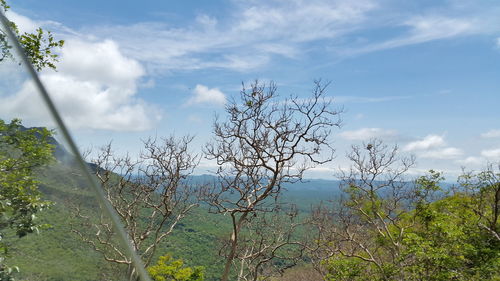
x=422, y=74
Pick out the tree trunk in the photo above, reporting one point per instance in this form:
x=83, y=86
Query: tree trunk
x=234, y=243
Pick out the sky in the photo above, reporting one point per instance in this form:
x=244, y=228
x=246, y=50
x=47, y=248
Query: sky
x=424, y=75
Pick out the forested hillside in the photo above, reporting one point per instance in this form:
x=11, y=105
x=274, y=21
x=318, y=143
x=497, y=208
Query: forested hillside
x=57, y=253
x=438, y=232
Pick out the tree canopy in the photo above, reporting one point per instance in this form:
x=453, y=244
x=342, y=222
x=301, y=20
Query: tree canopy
x=22, y=151
x=39, y=46
x=169, y=269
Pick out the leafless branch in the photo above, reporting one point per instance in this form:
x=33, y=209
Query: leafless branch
x=151, y=194
x=264, y=143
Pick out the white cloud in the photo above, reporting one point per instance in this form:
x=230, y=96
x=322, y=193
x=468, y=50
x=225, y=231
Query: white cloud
x=368, y=133
x=254, y=32
x=204, y=95
x=433, y=147
x=94, y=88
x=300, y=20
x=206, y=21
x=491, y=134
x=100, y=62
x=471, y=160
x=487, y=155
x=24, y=24
x=444, y=153
x=357, y=99
x=321, y=172
x=423, y=29
x=251, y=34
x=195, y=119
x=359, y=116
x=430, y=141
x=491, y=154
x=426, y=28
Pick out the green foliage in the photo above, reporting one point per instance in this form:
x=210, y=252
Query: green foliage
x=441, y=240
x=439, y=246
x=427, y=184
x=484, y=190
x=168, y=269
x=4, y=5
x=21, y=152
x=343, y=269
x=39, y=46
x=447, y=244
x=56, y=253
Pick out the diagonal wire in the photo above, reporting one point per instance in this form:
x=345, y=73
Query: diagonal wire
x=108, y=209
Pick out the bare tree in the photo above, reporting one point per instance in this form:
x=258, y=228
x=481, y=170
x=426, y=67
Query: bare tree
x=264, y=143
x=377, y=195
x=270, y=244
x=150, y=194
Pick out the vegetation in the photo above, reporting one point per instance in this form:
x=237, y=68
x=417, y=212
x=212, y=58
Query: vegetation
x=379, y=225
x=385, y=227
x=389, y=228
x=58, y=254
x=150, y=194
x=21, y=153
x=168, y=269
x=443, y=238
x=263, y=144
x=39, y=46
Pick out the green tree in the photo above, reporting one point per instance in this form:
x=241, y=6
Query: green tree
x=483, y=188
x=21, y=152
x=449, y=240
x=442, y=244
x=169, y=269
x=39, y=46
x=389, y=228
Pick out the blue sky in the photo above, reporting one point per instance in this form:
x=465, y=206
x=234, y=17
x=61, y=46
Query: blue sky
x=422, y=74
